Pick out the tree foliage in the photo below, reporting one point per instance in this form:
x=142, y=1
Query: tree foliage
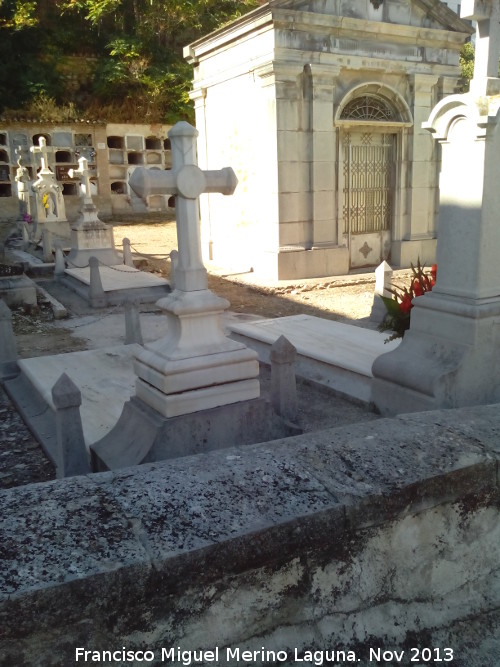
x=467, y=63
x=138, y=71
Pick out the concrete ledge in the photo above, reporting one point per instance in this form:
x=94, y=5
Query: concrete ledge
x=375, y=534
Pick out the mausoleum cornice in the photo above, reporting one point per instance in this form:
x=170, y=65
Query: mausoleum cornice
x=353, y=28
x=291, y=64
x=271, y=17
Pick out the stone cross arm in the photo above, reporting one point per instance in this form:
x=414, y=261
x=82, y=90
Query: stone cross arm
x=487, y=15
x=83, y=174
x=189, y=181
x=44, y=151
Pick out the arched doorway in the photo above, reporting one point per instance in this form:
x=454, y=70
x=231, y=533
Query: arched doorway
x=370, y=121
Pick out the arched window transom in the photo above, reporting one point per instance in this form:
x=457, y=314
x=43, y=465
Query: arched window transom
x=368, y=107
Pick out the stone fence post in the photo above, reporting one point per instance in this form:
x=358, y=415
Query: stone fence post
x=72, y=457
x=47, y=245
x=97, y=297
x=8, y=351
x=25, y=234
x=383, y=280
x=133, y=333
x=174, y=261
x=60, y=264
x=127, y=253
x=283, y=384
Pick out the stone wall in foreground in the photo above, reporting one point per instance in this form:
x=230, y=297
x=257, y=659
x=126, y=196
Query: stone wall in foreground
x=377, y=536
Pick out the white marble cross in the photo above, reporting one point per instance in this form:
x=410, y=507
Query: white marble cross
x=83, y=174
x=487, y=15
x=44, y=151
x=187, y=181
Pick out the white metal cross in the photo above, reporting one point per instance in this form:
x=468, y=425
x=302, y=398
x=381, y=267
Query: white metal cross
x=487, y=15
x=187, y=181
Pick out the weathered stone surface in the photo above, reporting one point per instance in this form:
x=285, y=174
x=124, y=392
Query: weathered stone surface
x=368, y=535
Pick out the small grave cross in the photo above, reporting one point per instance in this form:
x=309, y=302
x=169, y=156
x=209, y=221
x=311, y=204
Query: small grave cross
x=83, y=174
x=187, y=181
x=487, y=15
x=44, y=151
x=19, y=154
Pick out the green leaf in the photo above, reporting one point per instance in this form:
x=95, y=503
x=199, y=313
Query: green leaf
x=391, y=305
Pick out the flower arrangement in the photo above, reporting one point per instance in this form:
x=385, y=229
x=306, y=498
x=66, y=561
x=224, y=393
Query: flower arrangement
x=399, y=306
x=45, y=201
x=27, y=218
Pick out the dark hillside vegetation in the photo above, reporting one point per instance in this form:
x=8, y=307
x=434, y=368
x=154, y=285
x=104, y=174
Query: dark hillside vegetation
x=112, y=60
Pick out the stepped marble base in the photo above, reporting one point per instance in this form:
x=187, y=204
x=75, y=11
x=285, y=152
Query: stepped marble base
x=195, y=366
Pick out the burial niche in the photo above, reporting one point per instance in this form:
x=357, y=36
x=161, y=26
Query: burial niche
x=37, y=137
x=116, y=142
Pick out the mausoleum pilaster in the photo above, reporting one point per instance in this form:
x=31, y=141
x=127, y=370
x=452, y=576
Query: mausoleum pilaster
x=424, y=169
x=323, y=158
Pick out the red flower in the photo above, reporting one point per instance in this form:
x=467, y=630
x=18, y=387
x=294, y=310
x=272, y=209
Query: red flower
x=434, y=269
x=418, y=289
x=399, y=306
x=406, y=303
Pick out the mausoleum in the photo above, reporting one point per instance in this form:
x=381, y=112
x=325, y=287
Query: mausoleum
x=318, y=107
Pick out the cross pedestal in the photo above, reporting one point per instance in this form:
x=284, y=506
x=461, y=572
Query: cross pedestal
x=195, y=366
x=50, y=210
x=450, y=357
x=90, y=237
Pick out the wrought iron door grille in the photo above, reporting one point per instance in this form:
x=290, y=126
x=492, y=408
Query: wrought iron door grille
x=367, y=182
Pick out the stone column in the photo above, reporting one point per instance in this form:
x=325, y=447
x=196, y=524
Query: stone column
x=450, y=357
